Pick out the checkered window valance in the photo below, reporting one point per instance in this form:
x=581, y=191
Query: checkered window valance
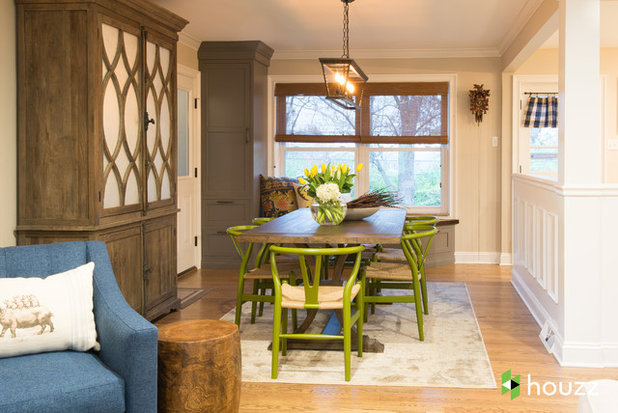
x=541, y=112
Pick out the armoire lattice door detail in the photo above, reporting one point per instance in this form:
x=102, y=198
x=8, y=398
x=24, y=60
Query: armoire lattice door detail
x=159, y=171
x=122, y=166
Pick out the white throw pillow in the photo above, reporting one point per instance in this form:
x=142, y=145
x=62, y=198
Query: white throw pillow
x=47, y=314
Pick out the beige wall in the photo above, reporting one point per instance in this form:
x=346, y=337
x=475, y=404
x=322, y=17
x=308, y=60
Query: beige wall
x=545, y=61
x=187, y=56
x=477, y=172
x=8, y=128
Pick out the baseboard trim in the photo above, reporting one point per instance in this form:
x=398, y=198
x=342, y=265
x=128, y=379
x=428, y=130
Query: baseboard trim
x=537, y=310
x=589, y=355
x=534, y=306
x=506, y=258
x=463, y=257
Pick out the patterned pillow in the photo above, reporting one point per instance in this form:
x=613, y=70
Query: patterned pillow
x=277, y=196
x=302, y=199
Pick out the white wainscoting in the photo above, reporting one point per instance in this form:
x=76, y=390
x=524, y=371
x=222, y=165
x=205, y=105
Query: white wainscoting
x=575, y=292
x=536, y=241
x=537, y=249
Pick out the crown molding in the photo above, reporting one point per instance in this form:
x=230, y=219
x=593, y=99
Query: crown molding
x=189, y=41
x=530, y=7
x=388, y=53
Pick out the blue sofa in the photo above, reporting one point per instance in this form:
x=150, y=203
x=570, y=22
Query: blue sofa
x=121, y=377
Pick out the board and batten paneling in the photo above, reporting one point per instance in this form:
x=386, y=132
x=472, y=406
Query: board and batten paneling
x=536, y=243
x=536, y=249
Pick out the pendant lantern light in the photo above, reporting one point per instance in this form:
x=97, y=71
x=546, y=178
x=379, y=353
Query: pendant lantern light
x=344, y=79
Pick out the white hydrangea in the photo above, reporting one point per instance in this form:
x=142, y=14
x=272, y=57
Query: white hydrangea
x=328, y=192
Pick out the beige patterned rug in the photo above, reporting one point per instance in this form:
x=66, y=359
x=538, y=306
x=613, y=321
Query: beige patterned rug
x=452, y=355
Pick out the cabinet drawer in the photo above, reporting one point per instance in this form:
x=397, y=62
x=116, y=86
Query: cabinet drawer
x=218, y=250
x=226, y=212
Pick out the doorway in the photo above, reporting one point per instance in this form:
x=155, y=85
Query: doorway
x=189, y=236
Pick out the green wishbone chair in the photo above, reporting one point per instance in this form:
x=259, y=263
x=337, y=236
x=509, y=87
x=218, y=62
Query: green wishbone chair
x=261, y=275
x=394, y=275
x=397, y=254
x=261, y=220
x=264, y=250
x=422, y=219
x=312, y=295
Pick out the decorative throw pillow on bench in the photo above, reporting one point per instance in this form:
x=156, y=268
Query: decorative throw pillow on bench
x=47, y=314
x=277, y=196
x=302, y=197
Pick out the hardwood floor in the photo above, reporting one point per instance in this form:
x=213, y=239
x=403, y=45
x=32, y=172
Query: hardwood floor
x=509, y=331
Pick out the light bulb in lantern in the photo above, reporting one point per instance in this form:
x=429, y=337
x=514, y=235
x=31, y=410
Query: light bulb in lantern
x=339, y=78
x=350, y=87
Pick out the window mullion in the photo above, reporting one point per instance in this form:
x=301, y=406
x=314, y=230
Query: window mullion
x=363, y=176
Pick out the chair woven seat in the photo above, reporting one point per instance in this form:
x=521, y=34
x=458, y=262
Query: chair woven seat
x=330, y=296
x=367, y=255
x=265, y=272
x=389, y=271
x=392, y=254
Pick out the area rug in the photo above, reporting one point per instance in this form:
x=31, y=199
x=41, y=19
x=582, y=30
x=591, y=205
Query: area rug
x=190, y=295
x=452, y=355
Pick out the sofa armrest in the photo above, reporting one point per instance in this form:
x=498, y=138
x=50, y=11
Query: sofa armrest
x=128, y=341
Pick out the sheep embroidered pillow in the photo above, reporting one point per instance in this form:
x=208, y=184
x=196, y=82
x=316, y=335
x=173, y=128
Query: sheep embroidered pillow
x=47, y=314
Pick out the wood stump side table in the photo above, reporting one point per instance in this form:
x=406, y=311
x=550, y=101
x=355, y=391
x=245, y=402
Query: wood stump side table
x=199, y=366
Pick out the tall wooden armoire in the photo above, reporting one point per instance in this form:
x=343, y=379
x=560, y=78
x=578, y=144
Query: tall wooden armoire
x=97, y=136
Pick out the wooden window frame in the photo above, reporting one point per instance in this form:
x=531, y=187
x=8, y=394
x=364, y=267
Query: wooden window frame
x=363, y=115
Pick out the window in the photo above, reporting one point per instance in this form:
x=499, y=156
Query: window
x=543, y=151
x=400, y=134
x=535, y=149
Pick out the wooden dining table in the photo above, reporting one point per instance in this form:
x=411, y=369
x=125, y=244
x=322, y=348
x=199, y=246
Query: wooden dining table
x=299, y=228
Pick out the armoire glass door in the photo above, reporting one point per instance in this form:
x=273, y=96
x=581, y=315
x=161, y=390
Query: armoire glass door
x=122, y=143
x=160, y=143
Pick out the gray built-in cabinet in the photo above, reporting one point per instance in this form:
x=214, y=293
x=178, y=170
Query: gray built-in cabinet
x=97, y=136
x=234, y=141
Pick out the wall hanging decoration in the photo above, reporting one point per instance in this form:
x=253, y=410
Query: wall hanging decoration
x=479, y=102
x=344, y=79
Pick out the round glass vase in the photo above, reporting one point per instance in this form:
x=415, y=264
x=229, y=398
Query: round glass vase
x=328, y=213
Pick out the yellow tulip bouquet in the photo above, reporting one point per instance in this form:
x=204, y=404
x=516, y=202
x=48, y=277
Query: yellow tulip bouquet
x=325, y=187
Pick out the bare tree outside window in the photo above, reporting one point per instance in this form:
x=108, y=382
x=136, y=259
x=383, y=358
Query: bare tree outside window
x=315, y=115
x=414, y=175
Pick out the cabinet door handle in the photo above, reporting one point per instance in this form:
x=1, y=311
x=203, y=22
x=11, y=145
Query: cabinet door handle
x=225, y=202
x=147, y=270
x=221, y=233
x=148, y=120
x=247, y=136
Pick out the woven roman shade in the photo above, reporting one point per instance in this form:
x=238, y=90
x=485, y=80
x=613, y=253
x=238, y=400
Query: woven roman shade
x=422, y=116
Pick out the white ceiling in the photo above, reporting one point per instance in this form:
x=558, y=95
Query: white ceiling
x=297, y=28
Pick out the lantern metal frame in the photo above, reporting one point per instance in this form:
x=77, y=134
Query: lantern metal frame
x=343, y=77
